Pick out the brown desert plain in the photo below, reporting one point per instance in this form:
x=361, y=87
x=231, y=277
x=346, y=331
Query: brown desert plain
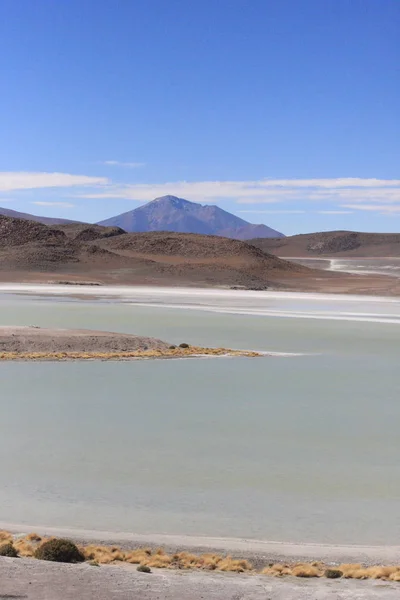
x=81, y=253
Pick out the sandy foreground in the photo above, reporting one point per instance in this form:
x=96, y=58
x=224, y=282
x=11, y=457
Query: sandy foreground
x=39, y=580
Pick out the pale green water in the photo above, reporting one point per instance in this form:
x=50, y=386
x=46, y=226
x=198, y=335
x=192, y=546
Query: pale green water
x=303, y=448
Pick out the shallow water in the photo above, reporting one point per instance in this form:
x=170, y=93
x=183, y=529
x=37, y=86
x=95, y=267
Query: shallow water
x=303, y=448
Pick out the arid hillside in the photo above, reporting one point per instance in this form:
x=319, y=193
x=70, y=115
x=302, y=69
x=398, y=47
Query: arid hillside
x=109, y=254
x=332, y=243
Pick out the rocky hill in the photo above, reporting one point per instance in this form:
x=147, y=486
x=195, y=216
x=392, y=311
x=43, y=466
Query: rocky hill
x=110, y=254
x=333, y=243
x=169, y=213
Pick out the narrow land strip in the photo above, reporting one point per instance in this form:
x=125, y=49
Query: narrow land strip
x=35, y=343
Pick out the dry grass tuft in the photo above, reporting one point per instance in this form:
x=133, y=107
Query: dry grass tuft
x=185, y=560
x=33, y=537
x=349, y=568
x=358, y=574
x=234, y=565
x=101, y=554
x=5, y=536
x=24, y=548
x=158, y=561
x=277, y=570
x=137, y=557
x=274, y=570
x=210, y=562
x=305, y=570
x=378, y=572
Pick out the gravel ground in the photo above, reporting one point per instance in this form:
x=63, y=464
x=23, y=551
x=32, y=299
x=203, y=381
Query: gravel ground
x=39, y=580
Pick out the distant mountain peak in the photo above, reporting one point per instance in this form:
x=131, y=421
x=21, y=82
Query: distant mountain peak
x=172, y=200
x=170, y=213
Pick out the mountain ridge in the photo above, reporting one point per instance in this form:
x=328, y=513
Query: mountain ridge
x=8, y=212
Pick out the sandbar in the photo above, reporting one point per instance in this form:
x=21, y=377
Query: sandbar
x=37, y=343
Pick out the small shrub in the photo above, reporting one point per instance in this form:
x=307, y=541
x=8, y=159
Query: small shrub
x=59, y=550
x=333, y=573
x=8, y=550
x=172, y=347
x=143, y=569
x=184, y=345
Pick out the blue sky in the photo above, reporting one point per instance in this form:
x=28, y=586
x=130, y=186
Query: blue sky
x=285, y=112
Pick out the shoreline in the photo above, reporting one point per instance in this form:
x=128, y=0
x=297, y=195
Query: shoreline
x=128, y=292
x=256, y=551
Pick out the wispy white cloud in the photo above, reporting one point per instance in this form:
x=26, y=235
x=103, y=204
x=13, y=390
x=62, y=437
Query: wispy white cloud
x=329, y=196
x=59, y=204
x=339, y=182
x=23, y=180
x=385, y=209
x=335, y=212
x=383, y=194
x=263, y=191
x=273, y=212
x=127, y=165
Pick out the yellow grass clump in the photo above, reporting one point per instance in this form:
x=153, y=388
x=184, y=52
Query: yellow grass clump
x=104, y=555
x=305, y=570
x=210, y=561
x=234, y=565
x=381, y=572
x=277, y=570
x=348, y=569
x=138, y=557
x=5, y=536
x=33, y=537
x=24, y=548
x=159, y=560
x=186, y=560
